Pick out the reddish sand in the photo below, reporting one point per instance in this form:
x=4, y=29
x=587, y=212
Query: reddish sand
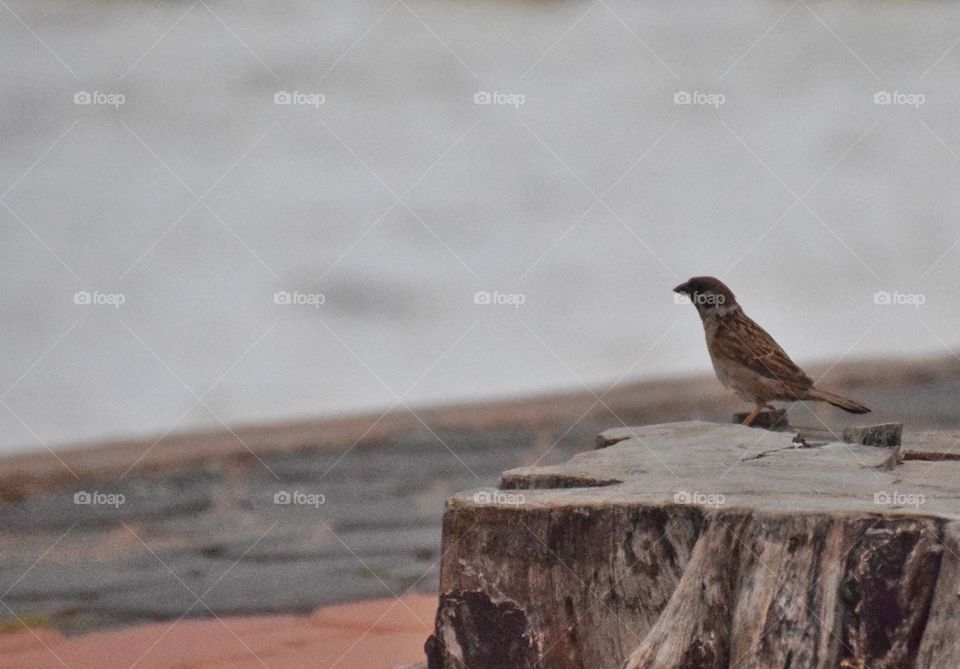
x=381, y=634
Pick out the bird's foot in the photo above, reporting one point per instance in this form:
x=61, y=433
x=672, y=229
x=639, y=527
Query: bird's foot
x=753, y=415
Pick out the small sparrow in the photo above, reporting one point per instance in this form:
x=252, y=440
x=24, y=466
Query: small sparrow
x=747, y=359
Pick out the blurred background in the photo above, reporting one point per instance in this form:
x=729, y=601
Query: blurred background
x=228, y=213
x=234, y=236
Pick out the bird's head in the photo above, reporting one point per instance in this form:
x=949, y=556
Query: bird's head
x=709, y=295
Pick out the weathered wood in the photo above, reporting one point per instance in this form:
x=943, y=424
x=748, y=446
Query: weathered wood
x=932, y=445
x=941, y=645
x=694, y=545
x=884, y=435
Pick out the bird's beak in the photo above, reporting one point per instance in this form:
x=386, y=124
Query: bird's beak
x=682, y=289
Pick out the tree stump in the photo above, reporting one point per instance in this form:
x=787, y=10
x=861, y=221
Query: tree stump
x=696, y=545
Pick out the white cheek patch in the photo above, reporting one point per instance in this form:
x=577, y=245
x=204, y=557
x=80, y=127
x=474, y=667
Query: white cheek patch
x=720, y=310
x=728, y=309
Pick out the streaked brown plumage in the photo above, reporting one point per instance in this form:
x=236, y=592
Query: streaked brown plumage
x=746, y=358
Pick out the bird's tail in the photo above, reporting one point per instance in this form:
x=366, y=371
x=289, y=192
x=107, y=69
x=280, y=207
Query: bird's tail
x=837, y=401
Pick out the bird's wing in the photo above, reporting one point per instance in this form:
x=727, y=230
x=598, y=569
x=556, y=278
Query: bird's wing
x=756, y=349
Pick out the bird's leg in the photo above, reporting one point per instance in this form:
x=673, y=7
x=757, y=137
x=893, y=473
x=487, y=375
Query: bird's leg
x=756, y=412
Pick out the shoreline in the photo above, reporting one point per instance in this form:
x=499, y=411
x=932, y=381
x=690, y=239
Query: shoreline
x=666, y=399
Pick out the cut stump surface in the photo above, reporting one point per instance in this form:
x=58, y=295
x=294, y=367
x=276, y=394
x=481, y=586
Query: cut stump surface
x=689, y=545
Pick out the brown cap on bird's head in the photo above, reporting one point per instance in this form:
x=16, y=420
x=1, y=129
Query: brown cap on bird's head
x=706, y=289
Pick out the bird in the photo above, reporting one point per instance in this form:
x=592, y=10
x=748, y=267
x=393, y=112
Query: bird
x=746, y=358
